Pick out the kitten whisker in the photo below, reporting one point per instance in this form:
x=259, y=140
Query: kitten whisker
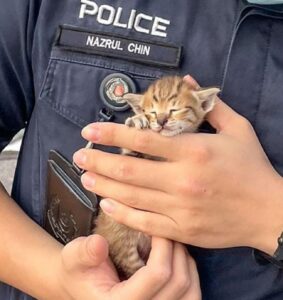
x=186, y=109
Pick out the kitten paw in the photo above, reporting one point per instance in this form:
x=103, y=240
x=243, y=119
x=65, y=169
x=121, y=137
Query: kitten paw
x=138, y=121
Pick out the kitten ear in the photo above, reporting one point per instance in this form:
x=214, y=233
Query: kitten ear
x=207, y=97
x=135, y=101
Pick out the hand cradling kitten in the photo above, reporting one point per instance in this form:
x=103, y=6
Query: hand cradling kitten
x=170, y=107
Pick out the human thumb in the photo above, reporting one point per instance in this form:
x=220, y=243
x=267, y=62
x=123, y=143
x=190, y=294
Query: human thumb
x=85, y=252
x=223, y=118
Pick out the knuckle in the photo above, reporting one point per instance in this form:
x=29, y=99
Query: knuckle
x=92, y=156
x=161, y=275
x=201, y=153
x=182, y=283
x=193, y=228
x=108, y=134
x=145, y=225
x=141, y=141
x=71, y=250
x=244, y=123
x=121, y=220
x=122, y=171
x=132, y=198
x=189, y=187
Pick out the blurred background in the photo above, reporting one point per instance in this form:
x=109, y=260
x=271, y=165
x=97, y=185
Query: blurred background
x=8, y=161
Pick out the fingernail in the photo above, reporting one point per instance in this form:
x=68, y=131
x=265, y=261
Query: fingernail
x=192, y=81
x=88, y=180
x=91, y=132
x=107, y=206
x=79, y=158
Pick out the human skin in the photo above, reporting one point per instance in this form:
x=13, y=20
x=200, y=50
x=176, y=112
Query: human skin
x=32, y=261
x=213, y=191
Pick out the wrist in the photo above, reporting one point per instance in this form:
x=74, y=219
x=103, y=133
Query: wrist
x=270, y=218
x=47, y=286
x=27, y=253
x=55, y=288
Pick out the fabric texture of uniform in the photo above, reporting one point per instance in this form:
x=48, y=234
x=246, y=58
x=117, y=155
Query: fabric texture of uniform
x=54, y=92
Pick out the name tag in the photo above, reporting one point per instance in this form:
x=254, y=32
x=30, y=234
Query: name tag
x=111, y=45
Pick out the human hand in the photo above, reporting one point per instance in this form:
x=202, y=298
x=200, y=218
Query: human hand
x=85, y=272
x=214, y=190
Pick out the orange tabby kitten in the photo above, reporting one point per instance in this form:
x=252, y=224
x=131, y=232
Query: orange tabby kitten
x=169, y=107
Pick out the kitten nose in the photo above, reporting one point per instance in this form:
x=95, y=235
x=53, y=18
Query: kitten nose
x=162, y=119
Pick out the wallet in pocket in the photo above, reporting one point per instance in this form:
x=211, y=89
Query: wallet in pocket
x=70, y=210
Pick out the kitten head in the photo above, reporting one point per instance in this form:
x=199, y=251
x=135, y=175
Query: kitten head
x=172, y=107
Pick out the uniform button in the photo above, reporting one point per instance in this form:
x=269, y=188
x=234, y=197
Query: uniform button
x=112, y=89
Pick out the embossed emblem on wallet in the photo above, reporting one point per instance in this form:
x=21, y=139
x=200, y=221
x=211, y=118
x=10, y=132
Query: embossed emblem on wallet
x=70, y=209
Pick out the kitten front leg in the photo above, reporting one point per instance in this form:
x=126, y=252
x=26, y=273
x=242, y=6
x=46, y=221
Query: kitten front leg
x=138, y=121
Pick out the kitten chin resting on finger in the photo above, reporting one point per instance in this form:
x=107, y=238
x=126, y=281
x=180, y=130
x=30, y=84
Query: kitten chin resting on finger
x=170, y=107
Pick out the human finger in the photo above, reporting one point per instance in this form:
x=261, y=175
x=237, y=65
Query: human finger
x=149, y=280
x=194, y=291
x=85, y=252
x=130, y=195
x=131, y=170
x=191, y=82
x=223, y=118
x=150, y=223
x=179, y=283
x=143, y=141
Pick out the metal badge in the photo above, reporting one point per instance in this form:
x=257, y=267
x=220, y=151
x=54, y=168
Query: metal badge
x=112, y=89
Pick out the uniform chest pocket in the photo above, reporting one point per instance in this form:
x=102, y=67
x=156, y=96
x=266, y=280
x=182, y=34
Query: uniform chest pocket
x=254, y=76
x=70, y=97
x=73, y=85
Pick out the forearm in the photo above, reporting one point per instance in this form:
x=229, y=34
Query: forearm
x=27, y=252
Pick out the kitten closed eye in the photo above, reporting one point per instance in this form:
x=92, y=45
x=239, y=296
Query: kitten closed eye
x=169, y=106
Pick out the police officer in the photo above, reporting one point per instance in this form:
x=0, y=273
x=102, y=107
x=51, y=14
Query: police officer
x=220, y=191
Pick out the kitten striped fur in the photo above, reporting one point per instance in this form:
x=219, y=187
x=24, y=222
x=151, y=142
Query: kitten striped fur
x=169, y=107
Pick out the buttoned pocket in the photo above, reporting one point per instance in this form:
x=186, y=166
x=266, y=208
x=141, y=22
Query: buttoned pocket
x=80, y=61
x=71, y=98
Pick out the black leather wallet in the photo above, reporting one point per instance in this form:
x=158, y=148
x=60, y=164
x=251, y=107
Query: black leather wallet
x=70, y=210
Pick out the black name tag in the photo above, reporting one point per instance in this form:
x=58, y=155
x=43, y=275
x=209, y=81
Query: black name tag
x=111, y=45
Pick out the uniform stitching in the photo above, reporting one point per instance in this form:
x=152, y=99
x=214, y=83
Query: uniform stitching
x=261, y=94
x=48, y=89
x=51, y=80
x=105, y=66
x=47, y=82
x=230, y=45
x=66, y=113
x=39, y=179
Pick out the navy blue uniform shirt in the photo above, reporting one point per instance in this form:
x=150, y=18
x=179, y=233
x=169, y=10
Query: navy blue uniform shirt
x=50, y=80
